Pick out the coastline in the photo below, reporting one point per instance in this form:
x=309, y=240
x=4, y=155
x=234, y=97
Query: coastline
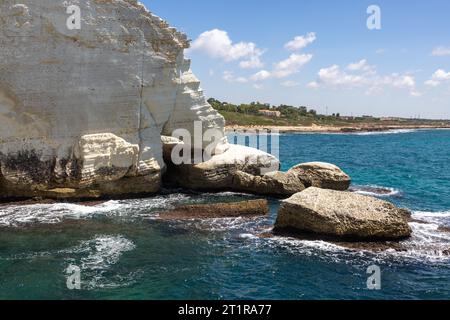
x=333, y=129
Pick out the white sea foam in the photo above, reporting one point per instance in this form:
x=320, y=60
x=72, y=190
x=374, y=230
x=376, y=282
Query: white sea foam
x=377, y=191
x=20, y=215
x=103, y=251
x=248, y=236
x=427, y=244
x=364, y=133
x=12, y=216
x=374, y=133
x=98, y=256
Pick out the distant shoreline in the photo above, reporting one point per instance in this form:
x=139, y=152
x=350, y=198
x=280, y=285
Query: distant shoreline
x=332, y=129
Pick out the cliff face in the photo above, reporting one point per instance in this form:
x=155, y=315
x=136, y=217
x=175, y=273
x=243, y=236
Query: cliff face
x=82, y=111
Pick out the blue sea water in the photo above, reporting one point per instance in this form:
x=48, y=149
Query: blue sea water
x=124, y=252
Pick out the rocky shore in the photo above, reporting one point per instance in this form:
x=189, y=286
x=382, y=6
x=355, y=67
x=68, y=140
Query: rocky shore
x=89, y=115
x=351, y=128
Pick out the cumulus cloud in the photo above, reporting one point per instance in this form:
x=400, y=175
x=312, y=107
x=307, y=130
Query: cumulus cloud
x=361, y=74
x=361, y=65
x=301, y=42
x=217, y=44
x=334, y=77
x=441, y=51
x=290, y=84
x=261, y=76
x=284, y=68
x=291, y=65
x=253, y=63
x=230, y=77
x=438, y=78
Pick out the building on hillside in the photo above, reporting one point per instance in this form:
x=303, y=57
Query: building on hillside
x=390, y=119
x=270, y=113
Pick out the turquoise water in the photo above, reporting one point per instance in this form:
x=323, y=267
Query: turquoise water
x=123, y=252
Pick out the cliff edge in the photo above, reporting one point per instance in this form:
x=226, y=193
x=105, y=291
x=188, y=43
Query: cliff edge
x=82, y=110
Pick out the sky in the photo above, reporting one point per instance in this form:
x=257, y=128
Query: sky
x=320, y=54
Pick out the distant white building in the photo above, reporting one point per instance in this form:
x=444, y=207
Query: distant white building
x=270, y=113
x=390, y=119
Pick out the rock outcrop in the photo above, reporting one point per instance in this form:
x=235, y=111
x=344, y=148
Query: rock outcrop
x=245, y=209
x=221, y=171
x=339, y=215
x=82, y=111
x=275, y=183
x=248, y=170
x=322, y=175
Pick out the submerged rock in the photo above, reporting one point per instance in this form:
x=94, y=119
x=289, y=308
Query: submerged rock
x=84, y=109
x=342, y=215
x=322, y=175
x=444, y=229
x=250, y=208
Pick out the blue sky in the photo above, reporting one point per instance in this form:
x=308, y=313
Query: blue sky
x=320, y=53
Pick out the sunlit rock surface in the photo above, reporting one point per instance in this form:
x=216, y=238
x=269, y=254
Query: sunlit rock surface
x=82, y=111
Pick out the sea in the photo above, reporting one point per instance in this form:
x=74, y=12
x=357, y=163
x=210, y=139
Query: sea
x=120, y=250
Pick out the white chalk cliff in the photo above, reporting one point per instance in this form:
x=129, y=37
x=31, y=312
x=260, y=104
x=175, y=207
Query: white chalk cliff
x=82, y=111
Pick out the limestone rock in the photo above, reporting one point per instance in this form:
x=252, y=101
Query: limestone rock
x=219, y=172
x=273, y=183
x=106, y=157
x=244, y=209
x=322, y=175
x=85, y=109
x=342, y=215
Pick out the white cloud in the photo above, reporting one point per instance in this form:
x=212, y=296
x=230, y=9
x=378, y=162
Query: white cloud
x=290, y=83
x=361, y=66
x=229, y=77
x=253, y=63
x=284, y=68
x=301, y=42
x=441, y=51
x=438, y=78
x=261, y=76
x=400, y=81
x=217, y=44
x=313, y=85
x=291, y=65
x=432, y=83
x=334, y=77
x=363, y=75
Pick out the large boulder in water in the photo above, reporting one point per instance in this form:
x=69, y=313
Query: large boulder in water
x=343, y=216
x=275, y=183
x=322, y=175
x=219, y=172
x=84, y=109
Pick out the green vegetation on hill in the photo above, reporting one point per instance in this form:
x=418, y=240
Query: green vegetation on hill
x=251, y=114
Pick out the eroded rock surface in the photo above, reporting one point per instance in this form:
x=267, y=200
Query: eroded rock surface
x=322, y=175
x=342, y=216
x=82, y=111
x=251, y=208
x=275, y=183
x=222, y=171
